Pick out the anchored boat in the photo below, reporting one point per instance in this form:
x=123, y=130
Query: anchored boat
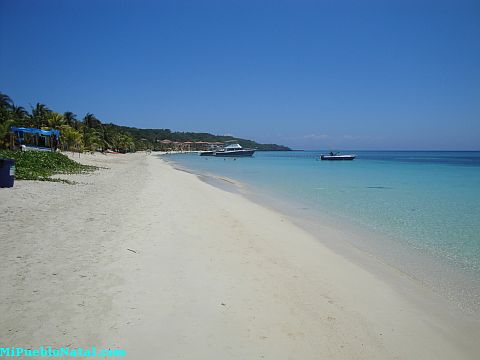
x=337, y=156
x=234, y=150
x=206, y=153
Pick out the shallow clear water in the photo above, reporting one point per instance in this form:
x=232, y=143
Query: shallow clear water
x=427, y=202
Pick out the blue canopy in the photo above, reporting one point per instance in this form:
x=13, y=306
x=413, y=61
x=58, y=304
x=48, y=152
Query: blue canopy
x=36, y=131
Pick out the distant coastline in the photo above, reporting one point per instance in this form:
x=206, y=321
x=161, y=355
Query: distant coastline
x=92, y=134
x=154, y=137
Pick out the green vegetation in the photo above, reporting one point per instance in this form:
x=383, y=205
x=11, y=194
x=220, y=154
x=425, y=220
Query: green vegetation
x=153, y=136
x=40, y=165
x=88, y=134
x=91, y=134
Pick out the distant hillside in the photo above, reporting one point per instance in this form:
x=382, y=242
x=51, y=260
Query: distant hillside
x=153, y=136
x=91, y=134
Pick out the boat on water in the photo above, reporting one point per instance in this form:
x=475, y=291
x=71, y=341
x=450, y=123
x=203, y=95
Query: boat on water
x=337, y=156
x=211, y=150
x=229, y=149
x=234, y=149
x=206, y=153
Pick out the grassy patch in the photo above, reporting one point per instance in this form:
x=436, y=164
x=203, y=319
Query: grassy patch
x=40, y=165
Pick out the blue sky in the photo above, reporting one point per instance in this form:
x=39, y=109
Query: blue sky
x=309, y=74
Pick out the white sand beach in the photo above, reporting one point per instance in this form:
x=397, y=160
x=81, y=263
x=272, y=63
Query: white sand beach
x=143, y=257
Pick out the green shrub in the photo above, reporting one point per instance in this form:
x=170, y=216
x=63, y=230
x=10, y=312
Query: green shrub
x=40, y=165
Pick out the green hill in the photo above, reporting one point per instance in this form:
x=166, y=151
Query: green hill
x=153, y=136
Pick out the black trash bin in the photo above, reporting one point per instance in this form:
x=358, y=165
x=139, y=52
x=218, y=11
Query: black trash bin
x=7, y=172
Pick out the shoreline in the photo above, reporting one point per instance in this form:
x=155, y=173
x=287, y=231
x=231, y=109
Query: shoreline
x=212, y=275
x=459, y=287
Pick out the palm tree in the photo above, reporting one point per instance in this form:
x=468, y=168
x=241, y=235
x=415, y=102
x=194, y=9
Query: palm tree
x=19, y=113
x=39, y=115
x=21, y=116
x=5, y=102
x=91, y=139
x=107, y=134
x=71, y=138
x=55, y=120
x=122, y=142
x=4, y=130
x=90, y=121
x=70, y=118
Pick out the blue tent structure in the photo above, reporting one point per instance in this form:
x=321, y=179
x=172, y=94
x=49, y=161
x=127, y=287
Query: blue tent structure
x=20, y=130
x=19, y=133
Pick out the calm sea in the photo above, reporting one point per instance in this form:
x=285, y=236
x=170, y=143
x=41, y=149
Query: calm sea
x=422, y=208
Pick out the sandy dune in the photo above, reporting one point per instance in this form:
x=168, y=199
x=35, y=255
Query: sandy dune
x=150, y=259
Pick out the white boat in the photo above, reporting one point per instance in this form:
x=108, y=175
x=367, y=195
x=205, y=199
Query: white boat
x=211, y=150
x=206, y=153
x=234, y=150
x=338, y=156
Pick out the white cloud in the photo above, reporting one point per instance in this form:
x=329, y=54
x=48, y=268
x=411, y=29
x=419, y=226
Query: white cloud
x=355, y=137
x=316, y=136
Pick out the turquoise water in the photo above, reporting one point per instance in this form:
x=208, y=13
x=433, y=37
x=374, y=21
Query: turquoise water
x=426, y=202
